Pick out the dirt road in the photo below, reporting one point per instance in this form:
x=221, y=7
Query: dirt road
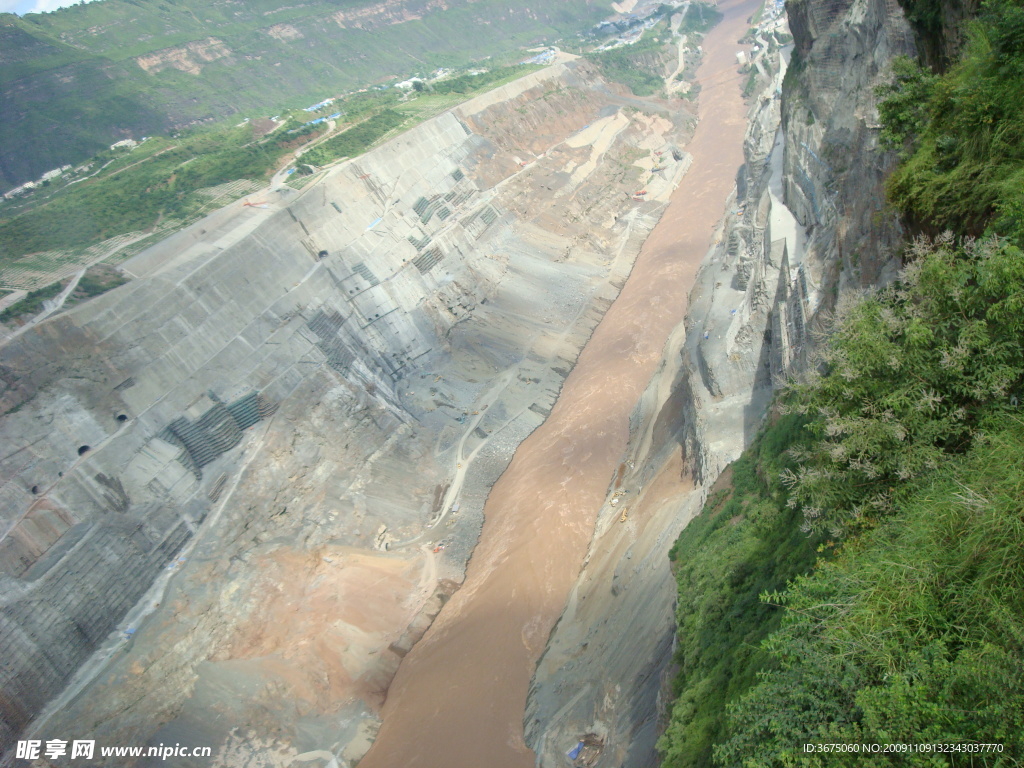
x=459, y=696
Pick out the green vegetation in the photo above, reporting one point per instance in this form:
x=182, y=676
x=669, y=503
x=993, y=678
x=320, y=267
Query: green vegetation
x=750, y=87
x=96, y=280
x=878, y=516
x=641, y=66
x=758, y=15
x=637, y=66
x=898, y=456
x=72, y=85
x=700, y=18
x=32, y=303
x=622, y=66
x=746, y=542
x=434, y=98
x=914, y=373
x=161, y=179
x=136, y=190
x=356, y=139
x=963, y=132
x=915, y=635
x=467, y=84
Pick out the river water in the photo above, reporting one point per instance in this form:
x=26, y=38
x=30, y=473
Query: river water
x=459, y=696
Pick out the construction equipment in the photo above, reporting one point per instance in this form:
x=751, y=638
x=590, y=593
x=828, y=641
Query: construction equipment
x=260, y=204
x=625, y=515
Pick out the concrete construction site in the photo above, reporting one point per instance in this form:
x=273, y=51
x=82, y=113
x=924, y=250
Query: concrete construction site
x=237, y=489
x=243, y=495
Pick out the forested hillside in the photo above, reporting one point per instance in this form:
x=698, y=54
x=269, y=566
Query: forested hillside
x=74, y=81
x=858, y=576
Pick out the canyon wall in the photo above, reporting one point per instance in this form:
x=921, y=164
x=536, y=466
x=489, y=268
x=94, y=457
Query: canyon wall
x=311, y=400
x=807, y=221
x=285, y=405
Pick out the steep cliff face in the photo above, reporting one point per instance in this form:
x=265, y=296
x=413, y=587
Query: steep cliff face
x=938, y=27
x=807, y=220
x=833, y=165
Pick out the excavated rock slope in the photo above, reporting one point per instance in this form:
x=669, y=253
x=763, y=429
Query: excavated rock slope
x=238, y=489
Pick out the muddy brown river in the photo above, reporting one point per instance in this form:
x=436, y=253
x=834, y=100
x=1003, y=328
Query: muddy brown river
x=459, y=696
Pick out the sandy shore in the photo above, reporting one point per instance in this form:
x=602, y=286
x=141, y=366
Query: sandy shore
x=459, y=696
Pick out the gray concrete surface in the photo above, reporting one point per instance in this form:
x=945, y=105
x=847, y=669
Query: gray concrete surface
x=298, y=383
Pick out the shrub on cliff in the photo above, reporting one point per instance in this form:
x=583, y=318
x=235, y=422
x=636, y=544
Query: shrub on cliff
x=913, y=636
x=745, y=542
x=966, y=168
x=897, y=453
x=911, y=376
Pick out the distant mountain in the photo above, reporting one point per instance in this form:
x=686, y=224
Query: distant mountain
x=78, y=79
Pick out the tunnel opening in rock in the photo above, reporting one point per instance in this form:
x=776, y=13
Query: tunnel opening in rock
x=83, y=449
x=122, y=417
x=35, y=489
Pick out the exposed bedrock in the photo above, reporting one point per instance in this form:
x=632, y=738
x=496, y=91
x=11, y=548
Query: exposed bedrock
x=282, y=420
x=833, y=164
x=227, y=484
x=807, y=220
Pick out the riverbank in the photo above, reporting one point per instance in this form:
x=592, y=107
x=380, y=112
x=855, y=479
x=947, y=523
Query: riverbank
x=460, y=694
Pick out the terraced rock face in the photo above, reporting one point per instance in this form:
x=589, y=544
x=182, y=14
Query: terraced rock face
x=237, y=489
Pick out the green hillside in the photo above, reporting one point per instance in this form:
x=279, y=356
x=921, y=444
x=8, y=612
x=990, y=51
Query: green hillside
x=858, y=579
x=162, y=181
x=76, y=80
